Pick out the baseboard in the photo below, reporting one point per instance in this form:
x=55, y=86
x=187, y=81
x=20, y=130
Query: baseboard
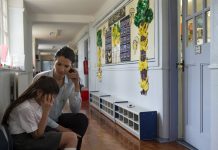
x=163, y=140
x=187, y=145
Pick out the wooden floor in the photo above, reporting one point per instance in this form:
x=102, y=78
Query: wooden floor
x=103, y=134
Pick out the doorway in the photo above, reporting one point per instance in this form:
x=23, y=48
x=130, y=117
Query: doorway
x=86, y=48
x=194, y=55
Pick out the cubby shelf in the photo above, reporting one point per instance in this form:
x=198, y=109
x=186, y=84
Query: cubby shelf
x=138, y=121
x=135, y=119
x=107, y=106
x=95, y=98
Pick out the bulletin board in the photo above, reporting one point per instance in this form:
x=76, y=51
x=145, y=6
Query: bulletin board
x=120, y=38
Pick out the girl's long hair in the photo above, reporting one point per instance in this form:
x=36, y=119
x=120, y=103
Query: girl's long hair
x=47, y=85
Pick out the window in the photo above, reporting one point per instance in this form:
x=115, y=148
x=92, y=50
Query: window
x=197, y=22
x=4, y=43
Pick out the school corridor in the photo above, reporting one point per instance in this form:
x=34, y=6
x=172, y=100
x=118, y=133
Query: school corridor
x=103, y=134
x=146, y=70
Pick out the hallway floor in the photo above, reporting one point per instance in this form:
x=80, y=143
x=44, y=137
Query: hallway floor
x=103, y=134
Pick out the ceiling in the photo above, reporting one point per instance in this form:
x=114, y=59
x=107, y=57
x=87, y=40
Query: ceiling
x=57, y=22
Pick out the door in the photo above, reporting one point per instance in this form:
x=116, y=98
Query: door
x=196, y=92
x=86, y=49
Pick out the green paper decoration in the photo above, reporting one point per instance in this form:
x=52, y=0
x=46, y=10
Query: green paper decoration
x=143, y=17
x=144, y=13
x=99, y=40
x=148, y=15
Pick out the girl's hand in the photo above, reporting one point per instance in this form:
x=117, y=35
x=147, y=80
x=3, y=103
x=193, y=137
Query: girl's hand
x=47, y=102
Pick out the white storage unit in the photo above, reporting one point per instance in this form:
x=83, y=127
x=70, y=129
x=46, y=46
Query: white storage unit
x=136, y=120
x=107, y=106
x=95, y=99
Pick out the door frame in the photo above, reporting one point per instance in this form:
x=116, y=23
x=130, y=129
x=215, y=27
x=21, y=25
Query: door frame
x=173, y=72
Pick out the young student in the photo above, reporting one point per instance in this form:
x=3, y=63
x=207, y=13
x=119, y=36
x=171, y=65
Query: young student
x=27, y=118
x=67, y=78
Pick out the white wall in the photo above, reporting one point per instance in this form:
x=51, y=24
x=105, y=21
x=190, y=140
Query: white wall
x=27, y=26
x=20, y=36
x=81, y=57
x=4, y=91
x=16, y=35
x=123, y=80
x=92, y=59
x=8, y=86
x=21, y=49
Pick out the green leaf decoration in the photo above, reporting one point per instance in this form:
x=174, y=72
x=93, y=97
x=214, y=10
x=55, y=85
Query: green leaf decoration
x=99, y=40
x=137, y=20
x=148, y=16
x=143, y=4
x=144, y=13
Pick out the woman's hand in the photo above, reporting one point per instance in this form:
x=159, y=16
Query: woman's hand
x=74, y=76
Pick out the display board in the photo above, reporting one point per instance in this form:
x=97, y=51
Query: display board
x=120, y=37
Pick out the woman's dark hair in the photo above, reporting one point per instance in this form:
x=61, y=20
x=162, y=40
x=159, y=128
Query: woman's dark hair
x=67, y=53
x=47, y=85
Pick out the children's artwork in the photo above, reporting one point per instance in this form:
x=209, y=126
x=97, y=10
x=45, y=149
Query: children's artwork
x=108, y=47
x=121, y=38
x=116, y=43
x=125, y=43
x=104, y=31
x=135, y=45
x=119, y=14
x=99, y=48
x=131, y=10
x=143, y=18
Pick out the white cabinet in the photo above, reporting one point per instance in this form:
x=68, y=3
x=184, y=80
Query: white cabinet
x=138, y=121
x=107, y=106
x=135, y=119
x=95, y=99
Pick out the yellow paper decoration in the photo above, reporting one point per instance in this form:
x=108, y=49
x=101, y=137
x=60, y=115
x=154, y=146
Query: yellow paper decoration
x=144, y=84
x=143, y=65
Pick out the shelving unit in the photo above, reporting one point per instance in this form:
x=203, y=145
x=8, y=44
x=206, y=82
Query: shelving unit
x=136, y=120
x=95, y=99
x=107, y=106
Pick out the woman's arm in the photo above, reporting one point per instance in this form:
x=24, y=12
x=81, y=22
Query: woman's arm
x=74, y=98
x=75, y=102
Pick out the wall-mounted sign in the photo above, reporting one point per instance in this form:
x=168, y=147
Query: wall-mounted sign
x=197, y=49
x=117, y=16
